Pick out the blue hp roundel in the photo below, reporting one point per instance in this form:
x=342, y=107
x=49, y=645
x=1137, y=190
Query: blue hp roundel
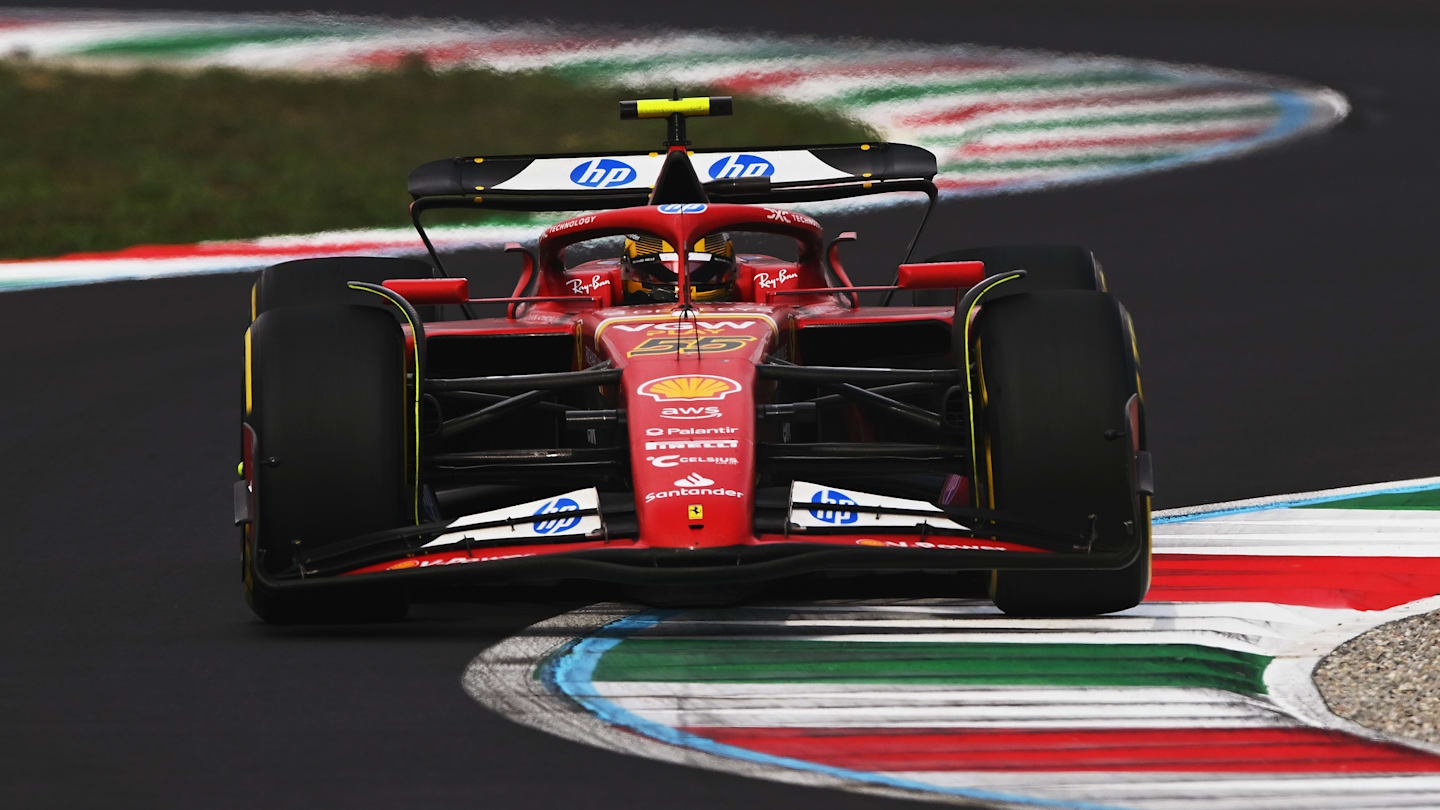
x=731, y=167
x=602, y=173
x=557, y=525
x=840, y=516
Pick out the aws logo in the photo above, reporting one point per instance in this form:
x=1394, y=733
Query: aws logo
x=731, y=167
x=691, y=412
x=602, y=173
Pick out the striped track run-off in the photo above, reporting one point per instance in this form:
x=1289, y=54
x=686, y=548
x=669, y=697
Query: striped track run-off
x=999, y=120
x=1199, y=698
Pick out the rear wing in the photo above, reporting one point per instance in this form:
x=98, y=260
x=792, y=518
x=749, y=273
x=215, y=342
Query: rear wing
x=674, y=174
x=586, y=181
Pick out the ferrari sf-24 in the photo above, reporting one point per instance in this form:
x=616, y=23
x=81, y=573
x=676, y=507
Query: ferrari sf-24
x=682, y=418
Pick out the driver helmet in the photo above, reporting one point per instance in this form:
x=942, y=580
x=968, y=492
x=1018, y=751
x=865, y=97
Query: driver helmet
x=651, y=273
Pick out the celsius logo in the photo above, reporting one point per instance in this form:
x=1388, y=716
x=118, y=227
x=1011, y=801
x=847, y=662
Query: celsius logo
x=602, y=173
x=694, y=480
x=557, y=524
x=733, y=166
x=832, y=497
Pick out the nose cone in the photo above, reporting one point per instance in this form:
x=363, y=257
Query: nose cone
x=693, y=451
x=689, y=388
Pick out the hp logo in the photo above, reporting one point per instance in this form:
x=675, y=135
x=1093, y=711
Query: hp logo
x=602, y=173
x=557, y=525
x=831, y=497
x=733, y=166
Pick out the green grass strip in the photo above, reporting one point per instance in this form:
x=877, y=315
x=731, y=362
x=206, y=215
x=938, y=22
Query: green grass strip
x=1423, y=499
x=1134, y=119
x=128, y=158
x=766, y=661
x=999, y=84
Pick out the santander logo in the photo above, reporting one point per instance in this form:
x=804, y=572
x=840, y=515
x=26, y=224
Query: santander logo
x=694, y=480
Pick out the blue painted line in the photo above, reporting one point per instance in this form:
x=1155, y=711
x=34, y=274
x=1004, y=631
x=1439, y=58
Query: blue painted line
x=1294, y=113
x=1238, y=510
x=570, y=673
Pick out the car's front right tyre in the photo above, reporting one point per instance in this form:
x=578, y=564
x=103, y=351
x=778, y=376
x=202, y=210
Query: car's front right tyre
x=326, y=401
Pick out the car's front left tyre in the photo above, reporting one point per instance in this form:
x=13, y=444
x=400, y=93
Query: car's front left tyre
x=1059, y=430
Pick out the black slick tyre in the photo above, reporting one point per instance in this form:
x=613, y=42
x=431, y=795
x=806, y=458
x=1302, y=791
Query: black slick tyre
x=310, y=282
x=1047, y=267
x=326, y=400
x=1054, y=374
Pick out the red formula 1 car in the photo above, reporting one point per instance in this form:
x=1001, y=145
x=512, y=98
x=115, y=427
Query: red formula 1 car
x=685, y=417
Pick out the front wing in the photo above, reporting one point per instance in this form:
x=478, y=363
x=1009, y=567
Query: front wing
x=768, y=558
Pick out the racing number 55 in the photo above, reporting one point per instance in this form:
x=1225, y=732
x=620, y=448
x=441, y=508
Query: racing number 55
x=704, y=344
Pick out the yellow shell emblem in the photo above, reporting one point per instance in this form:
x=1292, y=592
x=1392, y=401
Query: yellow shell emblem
x=689, y=387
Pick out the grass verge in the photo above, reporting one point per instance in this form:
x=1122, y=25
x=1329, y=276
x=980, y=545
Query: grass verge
x=104, y=160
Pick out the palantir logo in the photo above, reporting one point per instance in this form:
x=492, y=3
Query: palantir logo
x=602, y=173
x=732, y=166
x=831, y=497
x=557, y=525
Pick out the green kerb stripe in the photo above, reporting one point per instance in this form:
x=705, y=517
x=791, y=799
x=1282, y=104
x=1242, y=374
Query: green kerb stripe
x=1424, y=499
x=1136, y=119
x=1078, y=161
x=185, y=43
x=743, y=660
x=998, y=84
x=588, y=69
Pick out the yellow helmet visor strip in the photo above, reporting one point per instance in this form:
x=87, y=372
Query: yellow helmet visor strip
x=644, y=247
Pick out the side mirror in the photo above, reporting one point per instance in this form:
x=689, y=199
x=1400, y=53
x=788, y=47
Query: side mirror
x=422, y=291
x=941, y=275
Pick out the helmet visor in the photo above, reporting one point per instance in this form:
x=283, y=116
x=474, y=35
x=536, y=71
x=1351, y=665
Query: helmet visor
x=700, y=268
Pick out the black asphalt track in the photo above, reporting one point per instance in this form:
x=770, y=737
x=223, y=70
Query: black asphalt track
x=1284, y=303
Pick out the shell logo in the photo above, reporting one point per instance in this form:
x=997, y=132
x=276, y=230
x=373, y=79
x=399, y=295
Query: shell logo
x=402, y=564
x=869, y=543
x=689, y=388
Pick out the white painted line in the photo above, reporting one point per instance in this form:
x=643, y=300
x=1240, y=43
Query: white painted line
x=1274, y=501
